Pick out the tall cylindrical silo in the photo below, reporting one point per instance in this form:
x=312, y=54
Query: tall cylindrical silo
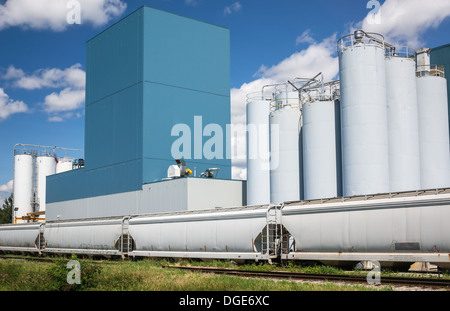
x=23, y=184
x=365, y=155
x=258, y=152
x=433, y=130
x=45, y=166
x=319, y=150
x=403, y=122
x=285, y=125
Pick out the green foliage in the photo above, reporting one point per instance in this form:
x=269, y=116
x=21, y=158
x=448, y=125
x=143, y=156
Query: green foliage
x=148, y=275
x=17, y=276
x=6, y=211
x=88, y=275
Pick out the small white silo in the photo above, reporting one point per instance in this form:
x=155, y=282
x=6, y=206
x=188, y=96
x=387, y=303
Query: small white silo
x=319, y=149
x=285, y=126
x=23, y=184
x=433, y=123
x=45, y=166
x=403, y=122
x=258, y=150
x=364, y=128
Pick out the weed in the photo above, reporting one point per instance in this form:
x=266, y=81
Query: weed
x=59, y=271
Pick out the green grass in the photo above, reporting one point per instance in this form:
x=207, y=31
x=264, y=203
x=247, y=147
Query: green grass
x=149, y=275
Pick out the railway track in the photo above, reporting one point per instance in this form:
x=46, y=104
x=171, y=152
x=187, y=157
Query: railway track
x=425, y=282
x=398, y=281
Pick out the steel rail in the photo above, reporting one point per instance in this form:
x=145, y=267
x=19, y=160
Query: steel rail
x=404, y=281
x=289, y=275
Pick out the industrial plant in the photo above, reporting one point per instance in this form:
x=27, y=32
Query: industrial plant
x=344, y=171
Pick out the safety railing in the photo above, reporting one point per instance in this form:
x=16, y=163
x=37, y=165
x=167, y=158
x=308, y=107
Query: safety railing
x=296, y=92
x=430, y=70
x=361, y=38
x=282, y=102
x=401, y=52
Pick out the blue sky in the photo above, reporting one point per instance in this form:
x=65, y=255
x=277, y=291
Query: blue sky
x=42, y=57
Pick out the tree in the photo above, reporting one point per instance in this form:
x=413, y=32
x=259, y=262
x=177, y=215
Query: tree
x=6, y=211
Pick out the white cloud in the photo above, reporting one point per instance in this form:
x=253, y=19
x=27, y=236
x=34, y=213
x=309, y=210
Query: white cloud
x=305, y=37
x=13, y=73
x=235, y=7
x=66, y=100
x=59, y=105
x=8, y=187
x=318, y=57
x=47, y=78
x=52, y=14
x=405, y=22
x=5, y=191
x=191, y=2
x=9, y=106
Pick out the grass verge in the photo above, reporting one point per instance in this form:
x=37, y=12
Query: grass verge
x=149, y=275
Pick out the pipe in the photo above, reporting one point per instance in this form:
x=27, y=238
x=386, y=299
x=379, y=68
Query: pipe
x=46, y=147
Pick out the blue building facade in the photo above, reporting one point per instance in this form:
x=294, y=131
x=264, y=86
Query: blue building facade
x=146, y=75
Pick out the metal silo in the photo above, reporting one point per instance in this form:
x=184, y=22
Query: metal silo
x=45, y=166
x=403, y=126
x=433, y=124
x=285, y=125
x=319, y=150
x=23, y=184
x=258, y=151
x=365, y=155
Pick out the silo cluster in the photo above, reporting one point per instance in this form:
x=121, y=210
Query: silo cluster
x=399, y=139
x=31, y=168
x=381, y=128
x=300, y=121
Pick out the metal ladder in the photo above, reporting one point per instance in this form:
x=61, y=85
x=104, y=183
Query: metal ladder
x=271, y=236
x=40, y=242
x=126, y=242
